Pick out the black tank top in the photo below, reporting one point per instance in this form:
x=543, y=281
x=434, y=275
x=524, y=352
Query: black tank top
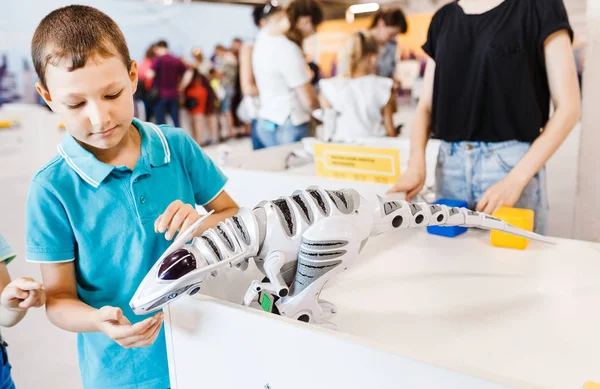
x=491, y=82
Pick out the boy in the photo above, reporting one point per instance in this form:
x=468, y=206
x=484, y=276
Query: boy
x=94, y=211
x=16, y=298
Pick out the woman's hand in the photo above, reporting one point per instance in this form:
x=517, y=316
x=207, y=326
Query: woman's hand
x=412, y=181
x=504, y=193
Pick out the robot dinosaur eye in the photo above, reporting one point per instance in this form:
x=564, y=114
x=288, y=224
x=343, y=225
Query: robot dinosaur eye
x=176, y=265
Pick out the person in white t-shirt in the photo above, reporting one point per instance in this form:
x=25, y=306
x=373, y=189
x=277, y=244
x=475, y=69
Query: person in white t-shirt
x=385, y=27
x=282, y=76
x=361, y=99
x=250, y=104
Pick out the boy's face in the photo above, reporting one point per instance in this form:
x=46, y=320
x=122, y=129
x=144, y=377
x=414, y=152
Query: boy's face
x=95, y=102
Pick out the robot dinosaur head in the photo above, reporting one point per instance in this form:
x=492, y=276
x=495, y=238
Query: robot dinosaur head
x=183, y=267
x=180, y=270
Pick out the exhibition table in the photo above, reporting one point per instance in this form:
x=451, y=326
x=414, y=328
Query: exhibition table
x=415, y=311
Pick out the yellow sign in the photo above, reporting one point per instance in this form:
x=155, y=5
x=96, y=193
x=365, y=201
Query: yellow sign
x=357, y=163
x=591, y=385
x=6, y=123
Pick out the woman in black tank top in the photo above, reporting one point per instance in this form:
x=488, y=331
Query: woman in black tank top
x=494, y=68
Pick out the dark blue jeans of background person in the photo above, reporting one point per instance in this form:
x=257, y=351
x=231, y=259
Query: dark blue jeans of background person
x=167, y=105
x=149, y=108
x=6, y=381
x=272, y=134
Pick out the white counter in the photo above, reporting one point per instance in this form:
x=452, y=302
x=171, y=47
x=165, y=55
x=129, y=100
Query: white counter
x=516, y=319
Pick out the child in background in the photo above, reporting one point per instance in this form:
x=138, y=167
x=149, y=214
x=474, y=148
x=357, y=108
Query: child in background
x=214, y=78
x=360, y=98
x=96, y=213
x=16, y=298
x=193, y=87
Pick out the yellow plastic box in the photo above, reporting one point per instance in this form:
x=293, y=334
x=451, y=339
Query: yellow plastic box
x=6, y=123
x=522, y=218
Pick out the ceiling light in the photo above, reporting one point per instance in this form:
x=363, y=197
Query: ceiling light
x=349, y=17
x=362, y=8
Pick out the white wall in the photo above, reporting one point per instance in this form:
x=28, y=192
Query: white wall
x=587, y=209
x=183, y=25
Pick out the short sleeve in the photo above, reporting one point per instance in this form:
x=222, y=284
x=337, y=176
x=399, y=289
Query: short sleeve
x=48, y=230
x=329, y=88
x=552, y=17
x=207, y=179
x=383, y=90
x=342, y=62
x=7, y=254
x=430, y=45
x=294, y=66
x=181, y=67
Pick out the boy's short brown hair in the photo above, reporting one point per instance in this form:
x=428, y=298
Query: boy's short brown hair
x=76, y=32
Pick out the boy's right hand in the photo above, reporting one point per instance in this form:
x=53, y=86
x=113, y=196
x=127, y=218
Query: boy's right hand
x=411, y=182
x=115, y=325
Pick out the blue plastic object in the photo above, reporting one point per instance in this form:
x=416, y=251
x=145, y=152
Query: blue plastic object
x=450, y=231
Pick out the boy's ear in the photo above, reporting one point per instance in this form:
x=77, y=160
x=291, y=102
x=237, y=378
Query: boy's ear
x=43, y=92
x=133, y=76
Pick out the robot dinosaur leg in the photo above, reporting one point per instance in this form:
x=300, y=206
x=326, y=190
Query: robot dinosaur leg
x=327, y=248
x=277, y=286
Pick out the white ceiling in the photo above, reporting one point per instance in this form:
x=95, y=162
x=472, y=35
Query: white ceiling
x=577, y=9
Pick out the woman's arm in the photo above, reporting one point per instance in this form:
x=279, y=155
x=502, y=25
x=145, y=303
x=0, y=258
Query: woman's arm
x=186, y=80
x=388, y=113
x=308, y=97
x=247, y=81
x=325, y=104
x=566, y=96
x=413, y=179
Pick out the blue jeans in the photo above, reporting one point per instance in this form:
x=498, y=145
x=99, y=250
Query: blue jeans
x=6, y=381
x=226, y=102
x=465, y=170
x=167, y=105
x=271, y=134
x=256, y=143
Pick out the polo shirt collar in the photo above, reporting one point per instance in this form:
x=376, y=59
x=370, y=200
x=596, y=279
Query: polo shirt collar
x=92, y=171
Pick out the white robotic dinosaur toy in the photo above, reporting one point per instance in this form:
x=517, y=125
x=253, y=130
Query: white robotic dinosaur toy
x=299, y=243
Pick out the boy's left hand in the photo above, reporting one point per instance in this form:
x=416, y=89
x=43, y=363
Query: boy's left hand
x=177, y=217
x=22, y=294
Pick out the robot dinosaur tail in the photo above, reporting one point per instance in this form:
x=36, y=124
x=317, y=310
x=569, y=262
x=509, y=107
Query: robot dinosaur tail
x=394, y=214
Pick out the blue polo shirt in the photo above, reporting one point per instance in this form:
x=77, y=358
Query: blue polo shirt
x=102, y=218
x=6, y=252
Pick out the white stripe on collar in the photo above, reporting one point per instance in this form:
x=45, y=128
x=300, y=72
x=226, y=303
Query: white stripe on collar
x=163, y=140
x=70, y=162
